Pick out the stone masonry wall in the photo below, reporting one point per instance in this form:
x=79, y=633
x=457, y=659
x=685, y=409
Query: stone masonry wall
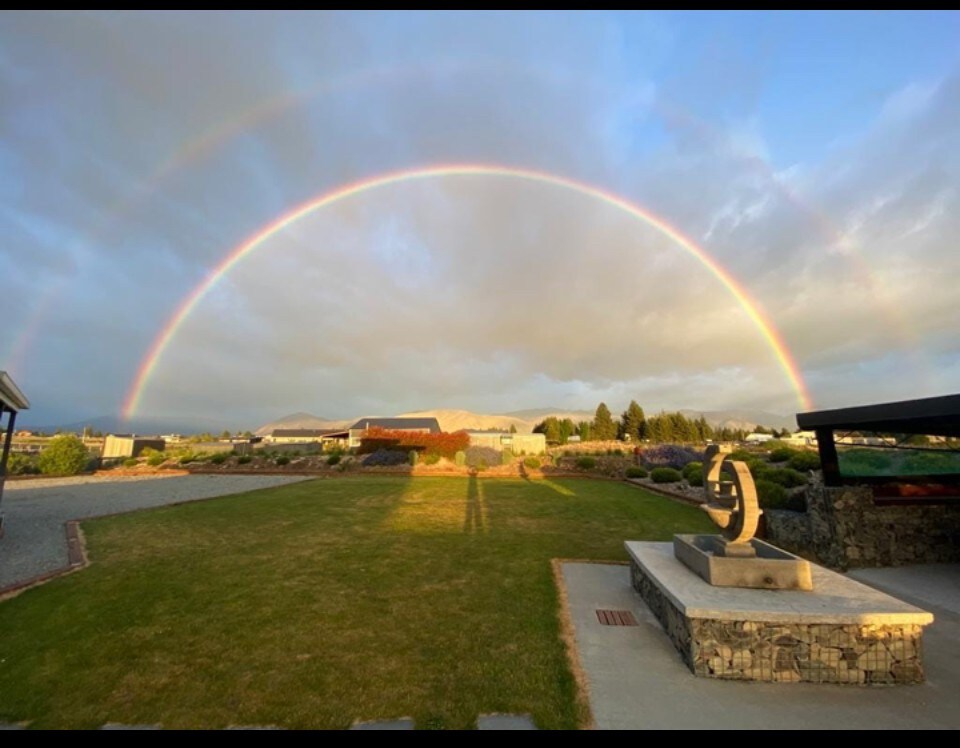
x=788, y=653
x=844, y=528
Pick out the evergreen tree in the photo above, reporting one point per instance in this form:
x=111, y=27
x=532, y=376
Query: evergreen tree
x=704, y=432
x=513, y=428
x=550, y=428
x=632, y=421
x=655, y=429
x=604, y=429
x=585, y=432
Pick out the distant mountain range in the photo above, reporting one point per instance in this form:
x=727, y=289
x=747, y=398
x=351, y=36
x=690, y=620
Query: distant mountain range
x=117, y=425
x=301, y=420
x=525, y=420
x=449, y=419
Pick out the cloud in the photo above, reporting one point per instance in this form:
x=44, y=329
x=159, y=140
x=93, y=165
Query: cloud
x=137, y=149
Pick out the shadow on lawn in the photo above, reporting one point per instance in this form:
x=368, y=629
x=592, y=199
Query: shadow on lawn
x=473, y=521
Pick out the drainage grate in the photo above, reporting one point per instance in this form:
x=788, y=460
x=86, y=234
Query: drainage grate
x=616, y=618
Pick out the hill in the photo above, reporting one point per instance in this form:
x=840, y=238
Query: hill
x=457, y=420
x=301, y=420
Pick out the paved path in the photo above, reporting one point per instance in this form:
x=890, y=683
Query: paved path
x=35, y=511
x=637, y=680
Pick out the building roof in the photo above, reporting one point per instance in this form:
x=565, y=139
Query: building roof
x=938, y=416
x=398, y=424
x=294, y=433
x=11, y=398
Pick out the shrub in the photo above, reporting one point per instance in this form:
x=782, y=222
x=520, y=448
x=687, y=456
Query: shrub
x=781, y=454
x=333, y=459
x=244, y=459
x=669, y=455
x=219, y=458
x=693, y=472
x=131, y=462
x=460, y=458
x=805, y=461
x=445, y=445
x=487, y=455
x=586, y=463
x=20, y=464
x=743, y=455
x=283, y=460
x=506, y=457
x=66, y=455
x=759, y=468
x=785, y=477
x=532, y=462
x=636, y=472
x=188, y=457
x=771, y=495
x=431, y=459
x=412, y=457
x=386, y=458
x=156, y=458
x=481, y=465
x=665, y=475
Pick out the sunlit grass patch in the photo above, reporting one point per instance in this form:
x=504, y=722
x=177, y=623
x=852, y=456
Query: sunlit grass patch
x=315, y=604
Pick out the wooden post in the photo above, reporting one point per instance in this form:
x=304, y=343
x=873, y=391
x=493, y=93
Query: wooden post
x=829, y=460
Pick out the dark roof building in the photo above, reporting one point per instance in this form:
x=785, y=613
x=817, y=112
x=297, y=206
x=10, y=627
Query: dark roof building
x=430, y=425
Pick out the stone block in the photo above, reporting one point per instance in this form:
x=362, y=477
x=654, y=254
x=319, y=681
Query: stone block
x=846, y=649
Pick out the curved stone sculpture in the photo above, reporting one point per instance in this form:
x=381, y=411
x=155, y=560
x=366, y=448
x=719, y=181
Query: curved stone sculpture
x=731, y=497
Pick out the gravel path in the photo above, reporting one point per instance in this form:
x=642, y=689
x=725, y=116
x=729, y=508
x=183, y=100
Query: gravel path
x=35, y=511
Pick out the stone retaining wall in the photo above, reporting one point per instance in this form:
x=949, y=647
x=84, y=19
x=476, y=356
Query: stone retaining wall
x=844, y=528
x=787, y=653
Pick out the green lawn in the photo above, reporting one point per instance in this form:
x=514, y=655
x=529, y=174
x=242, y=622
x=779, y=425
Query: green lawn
x=318, y=603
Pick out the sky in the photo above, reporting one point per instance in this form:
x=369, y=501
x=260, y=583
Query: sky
x=812, y=160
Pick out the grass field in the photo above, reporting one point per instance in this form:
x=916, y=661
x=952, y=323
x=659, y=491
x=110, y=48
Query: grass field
x=319, y=603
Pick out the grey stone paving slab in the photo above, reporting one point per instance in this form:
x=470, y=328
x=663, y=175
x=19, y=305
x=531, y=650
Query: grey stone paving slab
x=384, y=724
x=35, y=512
x=835, y=598
x=505, y=722
x=121, y=726
x=636, y=679
x=927, y=585
x=254, y=727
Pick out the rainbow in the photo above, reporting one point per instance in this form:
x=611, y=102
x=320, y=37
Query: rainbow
x=169, y=331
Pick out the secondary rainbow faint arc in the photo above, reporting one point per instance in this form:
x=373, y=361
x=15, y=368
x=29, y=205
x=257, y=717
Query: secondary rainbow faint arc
x=252, y=243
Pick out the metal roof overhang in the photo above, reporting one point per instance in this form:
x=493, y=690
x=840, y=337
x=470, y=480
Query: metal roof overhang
x=937, y=416
x=11, y=398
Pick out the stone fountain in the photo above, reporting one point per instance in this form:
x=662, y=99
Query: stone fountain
x=738, y=608
x=735, y=558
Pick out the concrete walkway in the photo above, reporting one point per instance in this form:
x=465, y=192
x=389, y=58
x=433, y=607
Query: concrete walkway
x=36, y=511
x=636, y=679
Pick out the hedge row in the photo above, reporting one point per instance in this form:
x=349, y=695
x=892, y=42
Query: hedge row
x=443, y=444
